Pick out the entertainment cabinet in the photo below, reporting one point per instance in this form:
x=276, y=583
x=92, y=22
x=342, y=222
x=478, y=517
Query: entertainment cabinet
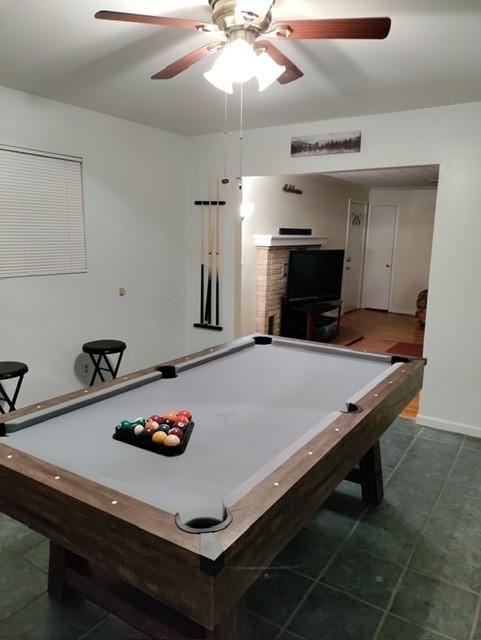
x=310, y=320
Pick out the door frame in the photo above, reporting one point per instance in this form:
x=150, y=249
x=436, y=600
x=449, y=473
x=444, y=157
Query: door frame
x=366, y=207
x=394, y=251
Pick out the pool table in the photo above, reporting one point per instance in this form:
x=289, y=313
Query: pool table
x=171, y=544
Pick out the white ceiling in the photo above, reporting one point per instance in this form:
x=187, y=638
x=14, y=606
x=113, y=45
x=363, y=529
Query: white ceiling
x=397, y=177
x=56, y=49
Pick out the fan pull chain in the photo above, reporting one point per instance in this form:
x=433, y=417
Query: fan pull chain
x=225, y=179
x=241, y=134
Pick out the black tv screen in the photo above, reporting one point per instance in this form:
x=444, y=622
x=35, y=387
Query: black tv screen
x=315, y=275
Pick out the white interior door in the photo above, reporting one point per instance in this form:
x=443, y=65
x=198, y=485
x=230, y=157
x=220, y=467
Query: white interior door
x=381, y=231
x=354, y=257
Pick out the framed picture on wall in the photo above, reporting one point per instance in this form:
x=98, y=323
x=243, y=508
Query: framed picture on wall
x=326, y=144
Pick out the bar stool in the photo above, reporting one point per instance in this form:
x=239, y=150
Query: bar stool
x=98, y=351
x=10, y=370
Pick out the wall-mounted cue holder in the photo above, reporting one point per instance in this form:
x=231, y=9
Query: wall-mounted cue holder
x=206, y=203
x=210, y=264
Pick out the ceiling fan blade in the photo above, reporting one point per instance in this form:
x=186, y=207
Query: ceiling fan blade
x=292, y=72
x=161, y=21
x=342, y=28
x=187, y=61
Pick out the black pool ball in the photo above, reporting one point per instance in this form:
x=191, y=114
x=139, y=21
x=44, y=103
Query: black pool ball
x=168, y=422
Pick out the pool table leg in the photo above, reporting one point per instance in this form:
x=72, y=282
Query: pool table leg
x=235, y=625
x=57, y=587
x=370, y=468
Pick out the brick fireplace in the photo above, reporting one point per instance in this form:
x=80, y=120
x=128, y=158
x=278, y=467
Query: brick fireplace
x=272, y=257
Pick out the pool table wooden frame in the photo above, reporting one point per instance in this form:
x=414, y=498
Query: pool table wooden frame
x=129, y=556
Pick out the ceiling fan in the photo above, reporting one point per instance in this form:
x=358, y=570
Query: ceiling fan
x=245, y=31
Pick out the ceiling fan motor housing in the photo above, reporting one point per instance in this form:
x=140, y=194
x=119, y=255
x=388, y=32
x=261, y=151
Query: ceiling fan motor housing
x=226, y=17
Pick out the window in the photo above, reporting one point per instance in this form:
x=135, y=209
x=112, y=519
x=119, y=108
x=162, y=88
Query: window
x=41, y=214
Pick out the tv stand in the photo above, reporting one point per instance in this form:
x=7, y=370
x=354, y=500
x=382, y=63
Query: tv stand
x=308, y=320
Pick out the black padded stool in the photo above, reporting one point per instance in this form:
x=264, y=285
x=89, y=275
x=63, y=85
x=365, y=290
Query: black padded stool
x=11, y=370
x=98, y=351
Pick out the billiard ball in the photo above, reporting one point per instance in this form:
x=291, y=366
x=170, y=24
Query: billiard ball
x=171, y=441
x=186, y=413
x=175, y=431
x=182, y=420
x=139, y=430
x=182, y=426
x=141, y=421
x=165, y=427
x=169, y=422
x=171, y=416
x=152, y=425
x=126, y=424
x=157, y=418
x=159, y=437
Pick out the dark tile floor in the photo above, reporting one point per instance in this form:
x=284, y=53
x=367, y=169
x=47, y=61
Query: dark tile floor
x=409, y=569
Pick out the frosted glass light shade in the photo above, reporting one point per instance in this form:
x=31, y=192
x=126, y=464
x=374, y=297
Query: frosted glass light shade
x=267, y=70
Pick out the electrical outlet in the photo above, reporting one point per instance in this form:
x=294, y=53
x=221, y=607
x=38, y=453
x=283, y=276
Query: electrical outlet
x=86, y=368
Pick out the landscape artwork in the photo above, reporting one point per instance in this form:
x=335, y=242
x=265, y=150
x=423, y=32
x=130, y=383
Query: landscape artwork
x=325, y=144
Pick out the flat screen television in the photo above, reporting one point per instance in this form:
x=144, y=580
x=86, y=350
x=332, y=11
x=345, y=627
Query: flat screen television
x=315, y=275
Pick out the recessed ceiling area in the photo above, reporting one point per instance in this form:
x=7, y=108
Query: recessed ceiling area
x=56, y=49
x=392, y=178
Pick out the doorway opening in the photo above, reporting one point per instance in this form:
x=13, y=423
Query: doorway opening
x=382, y=219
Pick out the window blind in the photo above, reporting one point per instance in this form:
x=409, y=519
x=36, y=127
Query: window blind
x=41, y=214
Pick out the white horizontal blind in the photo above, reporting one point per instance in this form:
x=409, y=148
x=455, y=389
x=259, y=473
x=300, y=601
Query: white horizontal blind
x=41, y=214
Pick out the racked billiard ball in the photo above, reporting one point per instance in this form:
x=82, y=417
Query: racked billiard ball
x=171, y=441
x=159, y=436
x=165, y=427
x=141, y=421
x=171, y=416
x=182, y=426
x=186, y=413
x=175, y=431
x=182, y=420
x=139, y=430
x=152, y=425
x=156, y=418
x=126, y=424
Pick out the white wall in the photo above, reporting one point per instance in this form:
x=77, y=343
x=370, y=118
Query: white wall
x=414, y=236
x=134, y=193
x=322, y=206
x=449, y=136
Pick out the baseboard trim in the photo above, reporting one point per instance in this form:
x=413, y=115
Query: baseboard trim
x=448, y=425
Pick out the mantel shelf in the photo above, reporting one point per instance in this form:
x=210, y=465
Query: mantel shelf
x=290, y=241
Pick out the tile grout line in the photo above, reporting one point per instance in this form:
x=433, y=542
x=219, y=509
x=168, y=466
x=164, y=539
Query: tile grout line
x=418, y=626
x=95, y=626
x=316, y=581
x=27, y=604
x=408, y=562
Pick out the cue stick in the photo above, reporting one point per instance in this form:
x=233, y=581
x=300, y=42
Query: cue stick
x=217, y=255
x=208, y=300
x=202, y=267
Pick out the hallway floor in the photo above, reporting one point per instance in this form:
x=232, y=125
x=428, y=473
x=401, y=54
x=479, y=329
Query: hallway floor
x=381, y=332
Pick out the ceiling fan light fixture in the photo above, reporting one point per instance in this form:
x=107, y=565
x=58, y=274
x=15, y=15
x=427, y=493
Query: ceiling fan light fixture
x=267, y=71
x=219, y=80
x=236, y=63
